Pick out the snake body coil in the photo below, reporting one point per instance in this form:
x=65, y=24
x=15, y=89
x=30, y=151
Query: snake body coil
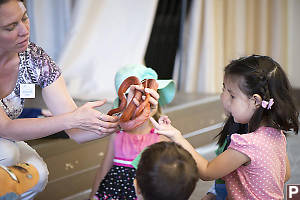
x=132, y=115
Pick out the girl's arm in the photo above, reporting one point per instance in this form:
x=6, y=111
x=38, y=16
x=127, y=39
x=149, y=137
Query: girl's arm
x=163, y=138
x=222, y=165
x=164, y=119
x=105, y=166
x=288, y=170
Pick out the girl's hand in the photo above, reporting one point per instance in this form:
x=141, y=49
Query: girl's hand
x=131, y=93
x=164, y=127
x=154, y=96
x=88, y=118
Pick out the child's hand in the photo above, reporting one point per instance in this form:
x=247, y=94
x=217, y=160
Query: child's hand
x=131, y=93
x=164, y=120
x=154, y=96
x=164, y=127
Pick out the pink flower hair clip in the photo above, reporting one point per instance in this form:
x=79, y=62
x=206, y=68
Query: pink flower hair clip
x=267, y=104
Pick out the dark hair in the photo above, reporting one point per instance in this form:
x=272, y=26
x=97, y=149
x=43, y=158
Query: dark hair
x=5, y=1
x=230, y=127
x=166, y=171
x=263, y=76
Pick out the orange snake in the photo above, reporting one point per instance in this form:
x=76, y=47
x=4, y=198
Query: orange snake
x=132, y=115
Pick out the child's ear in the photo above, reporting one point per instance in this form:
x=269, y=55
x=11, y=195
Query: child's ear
x=257, y=100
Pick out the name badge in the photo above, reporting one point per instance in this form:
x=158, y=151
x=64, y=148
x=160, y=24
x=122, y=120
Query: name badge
x=27, y=91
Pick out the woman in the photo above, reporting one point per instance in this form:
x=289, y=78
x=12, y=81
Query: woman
x=23, y=65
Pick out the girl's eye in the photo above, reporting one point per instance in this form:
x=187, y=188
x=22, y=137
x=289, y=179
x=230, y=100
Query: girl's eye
x=232, y=96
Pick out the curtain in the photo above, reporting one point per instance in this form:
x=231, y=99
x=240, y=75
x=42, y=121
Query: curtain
x=92, y=39
x=293, y=42
x=105, y=36
x=218, y=31
x=49, y=23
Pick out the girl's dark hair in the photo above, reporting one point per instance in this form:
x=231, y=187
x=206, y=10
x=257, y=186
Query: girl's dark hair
x=4, y=1
x=263, y=76
x=229, y=128
x=166, y=171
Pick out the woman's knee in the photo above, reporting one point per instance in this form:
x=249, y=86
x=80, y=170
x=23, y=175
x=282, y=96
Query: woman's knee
x=9, y=152
x=29, y=155
x=41, y=166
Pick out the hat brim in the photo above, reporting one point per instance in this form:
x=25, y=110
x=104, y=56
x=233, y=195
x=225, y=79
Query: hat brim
x=166, y=90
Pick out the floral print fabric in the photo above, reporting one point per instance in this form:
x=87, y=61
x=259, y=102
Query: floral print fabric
x=35, y=67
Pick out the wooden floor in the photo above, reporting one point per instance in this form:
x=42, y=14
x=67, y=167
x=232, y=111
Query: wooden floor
x=72, y=166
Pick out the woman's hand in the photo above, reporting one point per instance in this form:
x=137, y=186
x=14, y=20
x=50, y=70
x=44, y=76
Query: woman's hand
x=88, y=118
x=164, y=127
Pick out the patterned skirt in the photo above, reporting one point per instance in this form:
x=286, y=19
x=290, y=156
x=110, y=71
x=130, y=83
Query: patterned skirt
x=117, y=184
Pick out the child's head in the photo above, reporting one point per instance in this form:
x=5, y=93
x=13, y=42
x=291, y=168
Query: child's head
x=166, y=171
x=166, y=88
x=257, y=91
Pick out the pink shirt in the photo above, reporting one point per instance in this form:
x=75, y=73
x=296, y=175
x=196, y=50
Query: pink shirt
x=128, y=146
x=264, y=177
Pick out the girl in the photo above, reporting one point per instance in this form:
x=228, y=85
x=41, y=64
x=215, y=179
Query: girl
x=218, y=190
x=116, y=173
x=255, y=165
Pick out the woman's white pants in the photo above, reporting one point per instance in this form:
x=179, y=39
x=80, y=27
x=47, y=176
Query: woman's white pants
x=12, y=153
